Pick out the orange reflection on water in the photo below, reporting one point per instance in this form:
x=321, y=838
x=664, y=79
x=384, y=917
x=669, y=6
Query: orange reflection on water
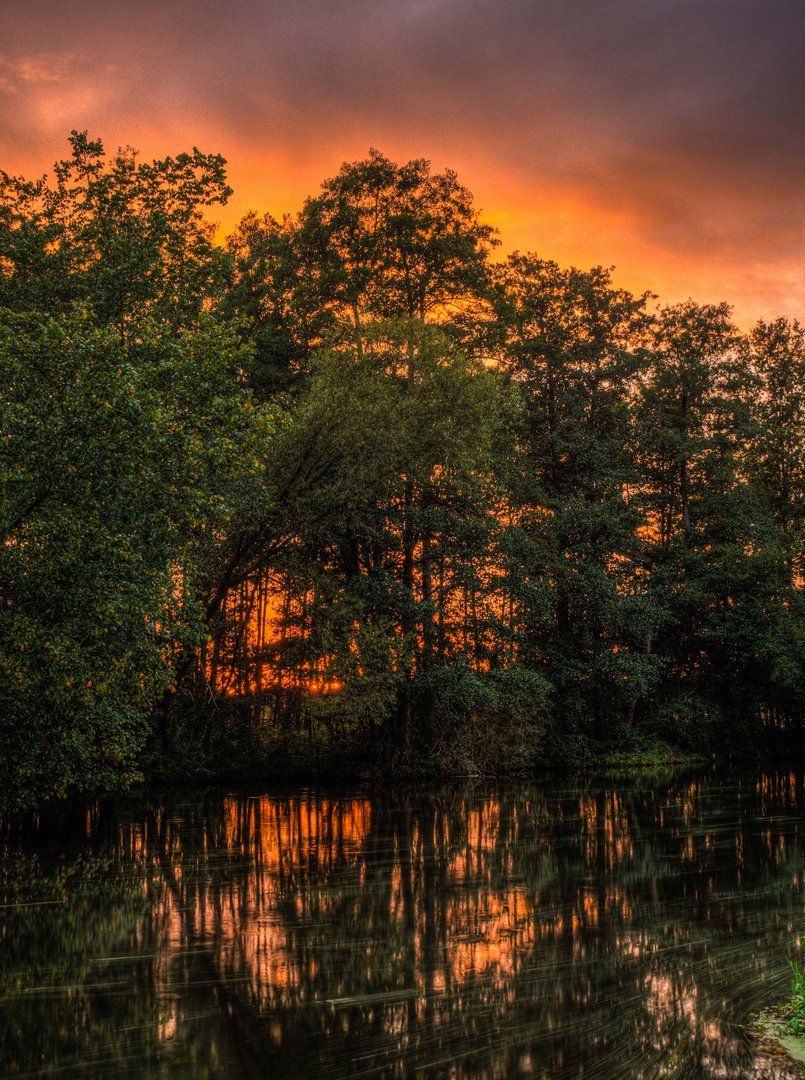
x=436, y=923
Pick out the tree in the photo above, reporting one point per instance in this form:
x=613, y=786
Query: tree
x=121, y=466
x=127, y=237
x=694, y=423
x=761, y=642
x=692, y=397
x=133, y=460
x=776, y=453
x=386, y=241
x=572, y=345
x=264, y=295
x=389, y=462
x=350, y=296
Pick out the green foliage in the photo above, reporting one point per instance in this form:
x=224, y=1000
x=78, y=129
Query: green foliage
x=393, y=241
x=125, y=236
x=572, y=345
x=686, y=724
x=510, y=517
x=394, y=442
x=120, y=462
x=265, y=295
x=795, y=1011
x=489, y=722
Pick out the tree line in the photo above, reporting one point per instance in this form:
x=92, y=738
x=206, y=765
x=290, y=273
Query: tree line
x=349, y=478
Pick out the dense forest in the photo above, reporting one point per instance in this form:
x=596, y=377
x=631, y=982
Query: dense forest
x=347, y=489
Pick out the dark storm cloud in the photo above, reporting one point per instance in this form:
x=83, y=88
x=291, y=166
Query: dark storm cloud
x=687, y=116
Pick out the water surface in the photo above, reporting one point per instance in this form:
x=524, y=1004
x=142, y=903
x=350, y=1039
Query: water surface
x=565, y=930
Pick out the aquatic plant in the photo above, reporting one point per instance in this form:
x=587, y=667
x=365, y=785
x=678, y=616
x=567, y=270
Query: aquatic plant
x=795, y=1011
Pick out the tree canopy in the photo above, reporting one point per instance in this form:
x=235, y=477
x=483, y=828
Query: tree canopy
x=344, y=481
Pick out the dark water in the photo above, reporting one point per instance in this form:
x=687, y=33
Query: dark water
x=558, y=930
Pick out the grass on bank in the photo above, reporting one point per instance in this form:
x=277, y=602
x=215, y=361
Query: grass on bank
x=783, y=1025
x=507, y=746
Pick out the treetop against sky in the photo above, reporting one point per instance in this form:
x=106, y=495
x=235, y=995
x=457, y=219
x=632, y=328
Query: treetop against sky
x=662, y=136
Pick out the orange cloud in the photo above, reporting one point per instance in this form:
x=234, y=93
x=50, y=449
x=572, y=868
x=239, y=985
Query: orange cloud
x=667, y=139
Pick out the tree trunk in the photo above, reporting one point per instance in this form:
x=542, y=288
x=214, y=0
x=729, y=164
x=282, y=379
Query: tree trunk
x=683, y=472
x=636, y=698
x=403, y=733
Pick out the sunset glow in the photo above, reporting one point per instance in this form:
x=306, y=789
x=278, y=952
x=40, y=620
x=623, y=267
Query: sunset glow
x=663, y=138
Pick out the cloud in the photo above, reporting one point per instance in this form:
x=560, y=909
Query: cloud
x=20, y=72
x=675, y=129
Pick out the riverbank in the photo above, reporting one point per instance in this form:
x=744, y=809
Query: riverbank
x=297, y=758
x=775, y=1040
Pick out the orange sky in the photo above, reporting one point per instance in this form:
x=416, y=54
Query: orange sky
x=665, y=137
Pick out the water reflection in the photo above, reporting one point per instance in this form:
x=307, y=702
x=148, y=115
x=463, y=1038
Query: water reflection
x=622, y=929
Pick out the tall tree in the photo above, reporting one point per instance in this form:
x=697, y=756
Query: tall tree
x=691, y=399
x=382, y=254
x=122, y=465
x=386, y=241
x=265, y=294
x=396, y=460
x=572, y=345
x=776, y=454
x=128, y=237
x=695, y=423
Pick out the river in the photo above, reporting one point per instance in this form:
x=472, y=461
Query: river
x=556, y=928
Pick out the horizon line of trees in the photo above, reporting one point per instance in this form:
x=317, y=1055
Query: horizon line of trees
x=503, y=506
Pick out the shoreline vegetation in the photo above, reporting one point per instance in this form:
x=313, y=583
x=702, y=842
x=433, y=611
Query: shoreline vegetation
x=298, y=761
x=769, y=1030
x=348, y=494
x=782, y=1027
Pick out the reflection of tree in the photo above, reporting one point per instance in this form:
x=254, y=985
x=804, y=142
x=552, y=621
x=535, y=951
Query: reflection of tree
x=615, y=929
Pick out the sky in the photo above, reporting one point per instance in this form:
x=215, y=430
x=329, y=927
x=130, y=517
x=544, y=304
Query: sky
x=664, y=137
